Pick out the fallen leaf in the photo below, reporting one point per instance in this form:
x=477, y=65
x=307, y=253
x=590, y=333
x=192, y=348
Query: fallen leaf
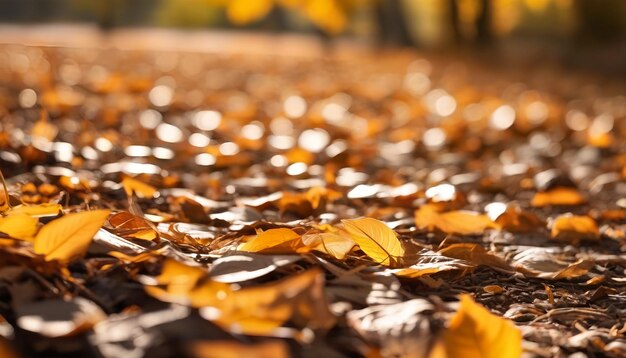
x=19, y=226
x=377, y=240
x=259, y=310
x=139, y=188
x=545, y=263
x=68, y=237
x=401, y=329
x=233, y=349
x=476, y=255
x=132, y=226
x=574, y=228
x=460, y=222
x=514, y=219
x=41, y=210
x=336, y=244
x=430, y=262
x=275, y=241
x=241, y=267
x=475, y=332
x=59, y=318
x=558, y=196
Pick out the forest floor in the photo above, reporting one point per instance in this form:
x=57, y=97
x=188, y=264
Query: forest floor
x=228, y=195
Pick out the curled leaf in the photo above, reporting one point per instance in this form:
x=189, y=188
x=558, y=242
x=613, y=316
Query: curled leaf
x=476, y=255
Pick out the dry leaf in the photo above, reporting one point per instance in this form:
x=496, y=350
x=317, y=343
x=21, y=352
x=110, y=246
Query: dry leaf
x=40, y=210
x=336, y=244
x=475, y=332
x=141, y=189
x=461, y=222
x=132, y=226
x=69, y=237
x=476, y=255
x=233, y=349
x=430, y=262
x=299, y=299
x=275, y=241
x=558, y=196
x=19, y=226
x=574, y=228
x=546, y=264
x=514, y=219
x=377, y=240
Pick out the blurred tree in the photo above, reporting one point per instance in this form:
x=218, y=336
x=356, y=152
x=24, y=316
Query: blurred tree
x=391, y=23
x=187, y=13
x=601, y=19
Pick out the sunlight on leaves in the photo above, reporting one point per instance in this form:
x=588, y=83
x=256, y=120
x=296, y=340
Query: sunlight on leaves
x=475, y=332
x=68, y=237
x=19, y=226
x=557, y=196
x=275, y=241
x=376, y=239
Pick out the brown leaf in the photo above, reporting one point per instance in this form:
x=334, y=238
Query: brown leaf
x=132, y=226
x=476, y=255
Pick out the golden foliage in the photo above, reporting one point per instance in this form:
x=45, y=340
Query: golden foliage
x=68, y=237
x=377, y=240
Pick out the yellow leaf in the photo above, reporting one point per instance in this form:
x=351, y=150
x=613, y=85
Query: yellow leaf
x=275, y=241
x=574, y=228
x=140, y=189
x=377, y=240
x=475, y=332
x=19, y=226
x=333, y=244
x=37, y=210
x=327, y=14
x=299, y=299
x=558, y=196
x=69, y=237
x=242, y=12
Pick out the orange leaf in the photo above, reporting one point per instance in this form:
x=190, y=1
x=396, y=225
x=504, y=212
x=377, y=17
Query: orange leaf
x=557, y=196
x=475, y=332
x=19, y=226
x=69, y=237
x=275, y=241
x=574, y=228
x=459, y=222
x=140, y=189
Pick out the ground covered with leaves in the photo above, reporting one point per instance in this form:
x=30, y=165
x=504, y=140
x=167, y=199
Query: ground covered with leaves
x=165, y=204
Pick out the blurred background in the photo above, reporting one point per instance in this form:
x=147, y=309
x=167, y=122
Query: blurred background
x=589, y=33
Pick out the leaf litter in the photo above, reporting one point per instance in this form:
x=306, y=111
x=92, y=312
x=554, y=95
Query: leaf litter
x=291, y=208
